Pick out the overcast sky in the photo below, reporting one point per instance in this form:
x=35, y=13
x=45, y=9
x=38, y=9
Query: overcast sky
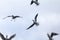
x=48, y=18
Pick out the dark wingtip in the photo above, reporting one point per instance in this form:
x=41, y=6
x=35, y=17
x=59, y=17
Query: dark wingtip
x=0, y=33
x=31, y=2
x=37, y=4
x=27, y=28
x=37, y=14
x=15, y=34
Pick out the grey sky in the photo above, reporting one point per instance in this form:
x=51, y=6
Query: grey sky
x=49, y=19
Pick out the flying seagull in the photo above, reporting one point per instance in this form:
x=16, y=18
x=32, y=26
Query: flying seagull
x=36, y=2
x=51, y=36
x=13, y=17
x=3, y=38
x=34, y=22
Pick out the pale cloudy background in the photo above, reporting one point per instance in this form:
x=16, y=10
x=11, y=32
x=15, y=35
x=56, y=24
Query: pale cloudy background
x=49, y=19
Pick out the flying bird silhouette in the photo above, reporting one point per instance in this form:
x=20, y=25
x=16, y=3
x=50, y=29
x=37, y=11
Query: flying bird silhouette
x=3, y=38
x=13, y=17
x=34, y=22
x=51, y=36
x=36, y=2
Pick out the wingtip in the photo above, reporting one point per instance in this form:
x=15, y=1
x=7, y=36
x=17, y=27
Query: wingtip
x=27, y=29
x=37, y=14
x=47, y=33
x=0, y=33
x=14, y=34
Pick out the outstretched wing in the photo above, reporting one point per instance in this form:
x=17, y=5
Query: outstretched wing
x=12, y=36
x=6, y=17
x=53, y=34
x=2, y=36
x=30, y=26
x=17, y=16
x=36, y=17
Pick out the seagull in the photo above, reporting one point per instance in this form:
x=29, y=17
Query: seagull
x=34, y=22
x=13, y=17
x=3, y=38
x=36, y=2
x=51, y=36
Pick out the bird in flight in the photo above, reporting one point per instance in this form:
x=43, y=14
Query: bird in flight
x=13, y=17
x=34, y=22
x=51, y=36
x=36, y=2
x=5, y=38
